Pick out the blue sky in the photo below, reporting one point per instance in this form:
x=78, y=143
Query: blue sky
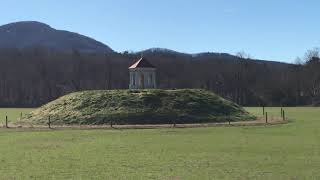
x=271, y=29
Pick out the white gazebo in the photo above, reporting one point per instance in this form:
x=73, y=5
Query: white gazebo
x=142, y=75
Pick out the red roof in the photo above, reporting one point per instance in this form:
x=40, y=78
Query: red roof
x=142, y=63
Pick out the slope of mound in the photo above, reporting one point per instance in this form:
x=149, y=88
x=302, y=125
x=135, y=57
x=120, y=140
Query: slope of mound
x=139, y=107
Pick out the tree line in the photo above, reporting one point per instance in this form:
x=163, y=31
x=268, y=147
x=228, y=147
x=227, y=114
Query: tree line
x=35, y=76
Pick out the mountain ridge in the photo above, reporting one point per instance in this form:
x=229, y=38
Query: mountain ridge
x=28, y=34
x=31, y=34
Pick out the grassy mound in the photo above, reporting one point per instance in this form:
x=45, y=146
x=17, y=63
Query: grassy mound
x=139, y=107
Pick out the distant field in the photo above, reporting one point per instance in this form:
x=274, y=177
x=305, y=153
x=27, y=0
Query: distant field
x=13, y=113
x=289, y=151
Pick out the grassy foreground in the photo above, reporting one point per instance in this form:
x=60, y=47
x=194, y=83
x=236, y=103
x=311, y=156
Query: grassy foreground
x=290, y=151
x=139, y=107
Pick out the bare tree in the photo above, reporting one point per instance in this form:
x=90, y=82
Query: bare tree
x=243, y=55
x=298, y=61
x=311, y=54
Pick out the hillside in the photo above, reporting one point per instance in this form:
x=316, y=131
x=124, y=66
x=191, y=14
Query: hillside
x=139, y=107
x=203, y=56
x=31, y=34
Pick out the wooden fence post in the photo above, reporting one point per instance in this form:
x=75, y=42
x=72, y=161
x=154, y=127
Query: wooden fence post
x=7, y=122
x=49, y=122
x=284, y=116
x=20, y=115
x=266, y=117
x=111, y=123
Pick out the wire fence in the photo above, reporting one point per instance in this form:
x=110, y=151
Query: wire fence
x=266, y=118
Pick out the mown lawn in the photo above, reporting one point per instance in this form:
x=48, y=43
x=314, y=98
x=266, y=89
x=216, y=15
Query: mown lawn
x=290, y=151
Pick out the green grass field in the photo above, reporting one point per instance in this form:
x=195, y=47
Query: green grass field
x=13, y=113
x=289, y=151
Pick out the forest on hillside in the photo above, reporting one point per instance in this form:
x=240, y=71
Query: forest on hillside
x=32, y=77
